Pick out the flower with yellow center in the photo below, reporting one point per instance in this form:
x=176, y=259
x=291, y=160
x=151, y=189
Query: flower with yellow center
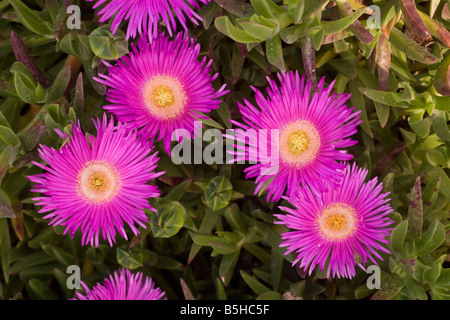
x=98, y=182
x=337, y=222
x=310, y=129
x=329, y=230
x=163, y=88
x=144, y=17
x=123, y=285
x=164, y=97
x=299, y=143
x=98, y=185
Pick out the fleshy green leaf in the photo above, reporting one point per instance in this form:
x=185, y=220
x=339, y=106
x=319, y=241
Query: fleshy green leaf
x=237, y=7
x=432, y=238
x=218, y=192
x=224, y=25
x=254, y=284
x=330, y=27
x=168, y=220
x=59, y=85
x=440, y=126
x=410, y=47
x=40, y=290
x=130, y=260
x=257, y=30
x=398, y=236
x=274, y=52
x=31, y=19
x=390, y=288
x=107, y=46
x=415, y=212
x=24, y=82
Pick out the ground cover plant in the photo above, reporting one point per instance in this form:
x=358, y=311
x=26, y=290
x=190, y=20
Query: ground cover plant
x=225, y=149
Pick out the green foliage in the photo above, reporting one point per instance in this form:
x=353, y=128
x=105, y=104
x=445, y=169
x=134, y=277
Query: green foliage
x=212, y=237
x=107, y=46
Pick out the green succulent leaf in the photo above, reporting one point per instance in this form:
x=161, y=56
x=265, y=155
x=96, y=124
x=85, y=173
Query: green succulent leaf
x=31, y=19
x=213, y=233
x=24, y=83
x=254, y=284
x=390, y=288
x=129, y=259
x=168, y=220
x=218, y=193
x=432, y=239
x=398, y=236
x=274, y=52
x=60, y=84
x=224, y=25
x=258, y=28
x=237, y=7
x=330, y=27
x=415, y=212
x=107, y=46
x=410, y=47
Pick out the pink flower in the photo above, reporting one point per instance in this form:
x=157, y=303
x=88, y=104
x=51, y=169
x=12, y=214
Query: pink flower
x=328, y=229
x=97, y=184
x=143, y=16
x=312, y=130
x=162, y=87
x=123, y=286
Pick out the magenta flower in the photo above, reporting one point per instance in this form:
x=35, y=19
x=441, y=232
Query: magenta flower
x=330, y=228
x=122, y=286
x=162, y=87
x=310, y=129
x=97, y=184
x=143, y=16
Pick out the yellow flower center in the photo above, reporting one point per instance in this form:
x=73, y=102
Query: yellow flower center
x=164, y=97
x=299, y=143
x=337, y=221
x=98, y=182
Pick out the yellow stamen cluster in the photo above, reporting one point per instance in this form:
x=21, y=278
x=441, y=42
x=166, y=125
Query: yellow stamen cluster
x=299, y=143
x=337, y=221
x=98, y=182
x=164, y=97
